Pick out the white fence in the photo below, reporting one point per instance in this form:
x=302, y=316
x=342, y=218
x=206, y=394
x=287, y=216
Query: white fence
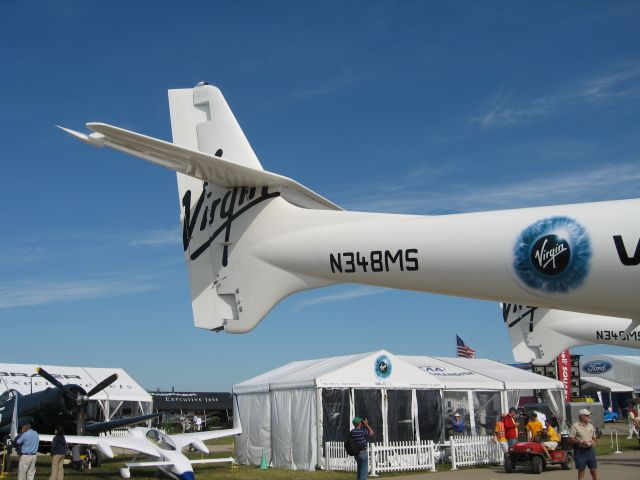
x=395, y=457
x=474, y=450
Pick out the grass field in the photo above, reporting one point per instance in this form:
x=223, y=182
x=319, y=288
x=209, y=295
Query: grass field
x=110, y=469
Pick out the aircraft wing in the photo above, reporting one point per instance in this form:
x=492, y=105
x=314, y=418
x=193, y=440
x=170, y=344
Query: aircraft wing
x=106, y=443
x=183, y=439
x=212, y=460
x=199, y=164
x=149, y=464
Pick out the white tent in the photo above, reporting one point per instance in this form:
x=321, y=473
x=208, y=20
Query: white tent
x=616, y=375
x=122, y=395
x=622, y=370
x=290, y=412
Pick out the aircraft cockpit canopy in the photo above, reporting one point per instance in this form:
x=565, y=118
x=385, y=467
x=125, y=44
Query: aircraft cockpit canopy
x=160, y=439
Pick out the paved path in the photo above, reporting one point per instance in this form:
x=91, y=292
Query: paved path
x=624, y=466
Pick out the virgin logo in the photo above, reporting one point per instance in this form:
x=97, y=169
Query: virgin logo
x=550, y=254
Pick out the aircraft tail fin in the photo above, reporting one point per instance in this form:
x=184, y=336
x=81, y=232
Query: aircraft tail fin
x=229, y=206
x=533, y=336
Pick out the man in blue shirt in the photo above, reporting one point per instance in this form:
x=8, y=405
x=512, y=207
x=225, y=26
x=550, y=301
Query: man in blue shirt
x=457, y=424
x=29, y=441
x=361, y=434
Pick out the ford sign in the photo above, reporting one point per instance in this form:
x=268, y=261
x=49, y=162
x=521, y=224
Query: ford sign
x=597, y=366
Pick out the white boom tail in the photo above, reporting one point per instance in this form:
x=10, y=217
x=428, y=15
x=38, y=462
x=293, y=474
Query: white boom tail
x=539, y=335
x=252, y=237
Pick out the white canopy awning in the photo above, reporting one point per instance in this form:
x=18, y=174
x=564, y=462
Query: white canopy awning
x=605, y=384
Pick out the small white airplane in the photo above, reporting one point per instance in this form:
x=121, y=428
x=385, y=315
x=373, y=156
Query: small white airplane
x=539, y=335
x=164, y=451
x=252, y=237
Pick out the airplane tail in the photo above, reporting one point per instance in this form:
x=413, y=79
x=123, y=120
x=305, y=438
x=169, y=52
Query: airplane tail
x=223, y=217
x=539, y=335
x=229, y=206
x=532, y=337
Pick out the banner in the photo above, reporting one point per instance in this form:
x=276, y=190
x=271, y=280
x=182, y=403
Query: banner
x=563, y=363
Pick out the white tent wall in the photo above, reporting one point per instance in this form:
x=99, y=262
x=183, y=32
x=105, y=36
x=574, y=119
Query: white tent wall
x=255, y=415
x=293, y=429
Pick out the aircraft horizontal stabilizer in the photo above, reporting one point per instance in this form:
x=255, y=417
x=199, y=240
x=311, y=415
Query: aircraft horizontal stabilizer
x=200, y=165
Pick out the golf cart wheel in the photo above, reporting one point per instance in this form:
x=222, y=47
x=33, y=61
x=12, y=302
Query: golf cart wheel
x=568, y=462
x=536, y=464
x=508, y=466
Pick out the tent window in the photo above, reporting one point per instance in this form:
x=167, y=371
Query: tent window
x=335, y=415
x=456, y=402
x=430, y=415
x=486, y=407
x=368, y=403
x=399, y=421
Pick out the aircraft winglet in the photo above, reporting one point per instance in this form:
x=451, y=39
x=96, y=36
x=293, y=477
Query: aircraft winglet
x=96, y=139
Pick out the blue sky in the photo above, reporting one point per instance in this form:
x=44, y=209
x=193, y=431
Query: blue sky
x=413, y=107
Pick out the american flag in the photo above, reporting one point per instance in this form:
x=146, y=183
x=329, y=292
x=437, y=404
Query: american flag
x=463, y=350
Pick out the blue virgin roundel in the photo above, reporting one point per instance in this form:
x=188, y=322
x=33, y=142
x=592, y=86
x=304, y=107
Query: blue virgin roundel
x=383, y=367
x=553, y=255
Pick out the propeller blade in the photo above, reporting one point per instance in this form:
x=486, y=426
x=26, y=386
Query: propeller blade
x=102, y=385
x=14, y=419
x=49, y=378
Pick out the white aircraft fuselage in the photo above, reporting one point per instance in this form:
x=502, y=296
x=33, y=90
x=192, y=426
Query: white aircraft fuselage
x=252, y=237
x=562, y=257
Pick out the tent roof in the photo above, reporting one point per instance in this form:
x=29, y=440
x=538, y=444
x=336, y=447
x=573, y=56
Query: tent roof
x=345, y=371
x=407, y=372
x=599, y=382
x=512, y=378
x=24, y=379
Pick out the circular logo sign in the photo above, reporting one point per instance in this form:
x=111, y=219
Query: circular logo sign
x=553, y=255
x=383, y=367
x=597, y=367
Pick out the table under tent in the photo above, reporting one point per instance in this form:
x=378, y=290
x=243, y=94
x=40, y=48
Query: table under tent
x=291, y=412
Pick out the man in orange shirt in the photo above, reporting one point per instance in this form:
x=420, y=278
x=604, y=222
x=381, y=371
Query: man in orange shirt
x=500, y=433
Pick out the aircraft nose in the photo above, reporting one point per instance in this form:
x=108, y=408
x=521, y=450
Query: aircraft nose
x=187, y=476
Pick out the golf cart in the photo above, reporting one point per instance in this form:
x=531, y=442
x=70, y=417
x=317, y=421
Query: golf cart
x=531, y=455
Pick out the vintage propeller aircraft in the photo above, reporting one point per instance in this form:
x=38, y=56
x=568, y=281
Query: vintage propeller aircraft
x=62, y=404
x=164, y=451
x=252, y=237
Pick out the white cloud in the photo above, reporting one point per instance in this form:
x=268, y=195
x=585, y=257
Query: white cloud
x=157, y=238
x=351, y=293
x=37, y=292
x=604, y=183
x=597, y=91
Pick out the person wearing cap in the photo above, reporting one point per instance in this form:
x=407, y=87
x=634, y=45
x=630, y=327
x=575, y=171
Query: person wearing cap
x=534, y=427
x=550, y=439
x=500, y=433
x=457, y=424
x=583, y=437
x=28, y=441
x=511, y=427
x=361, y=434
